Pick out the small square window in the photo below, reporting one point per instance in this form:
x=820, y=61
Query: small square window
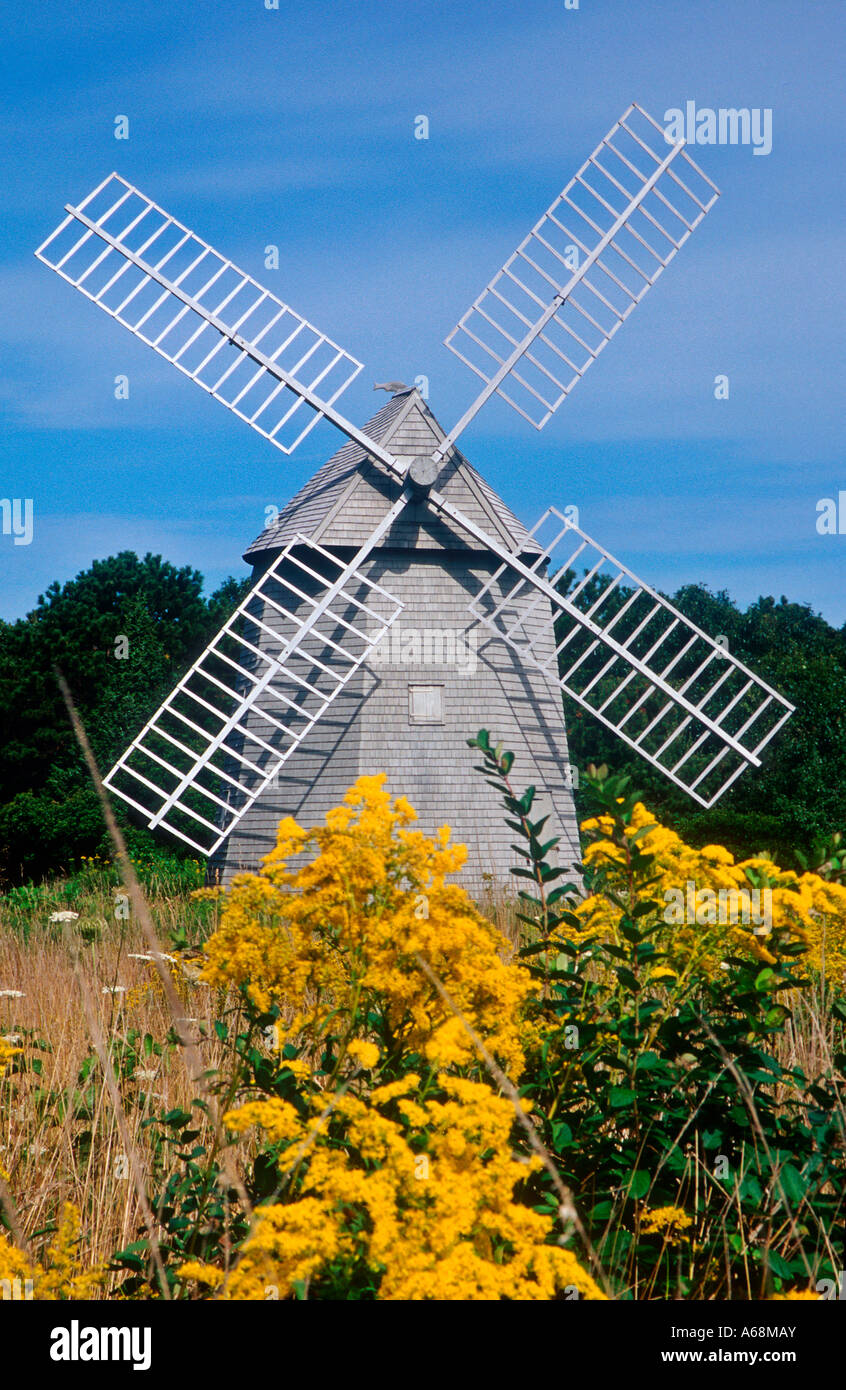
x=425, y=704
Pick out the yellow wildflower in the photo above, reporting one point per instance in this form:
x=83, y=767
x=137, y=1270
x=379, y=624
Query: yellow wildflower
x=276, y=1116
x=441, y=1219
x=61, y=1276
x=287, y=1245
x=666, y=1221
x=367, y=1053
x=7, y=1052
x=795, y=1295
x=418, y=1191
x=348, y=925
x=717, y=912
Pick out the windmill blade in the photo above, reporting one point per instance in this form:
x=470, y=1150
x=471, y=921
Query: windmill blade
x=256, y=692
x=196, y=309
x=672, y=693
x=574, y=280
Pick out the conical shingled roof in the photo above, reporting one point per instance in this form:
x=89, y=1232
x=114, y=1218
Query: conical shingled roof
x=349, y=495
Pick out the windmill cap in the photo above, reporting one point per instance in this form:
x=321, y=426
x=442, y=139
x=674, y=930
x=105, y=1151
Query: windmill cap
x=347, y=498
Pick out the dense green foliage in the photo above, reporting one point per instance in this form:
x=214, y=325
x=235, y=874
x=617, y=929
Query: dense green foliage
x=703, y=1164
x=49, y=815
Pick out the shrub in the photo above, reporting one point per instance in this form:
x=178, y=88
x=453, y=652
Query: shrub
x=391, y=1155
x=706, y=1167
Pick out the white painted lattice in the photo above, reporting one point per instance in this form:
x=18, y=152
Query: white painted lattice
x=257, y=691
x=199, y=311
x=672, y=693
x=560, y=298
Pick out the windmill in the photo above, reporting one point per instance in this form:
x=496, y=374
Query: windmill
x=323, y=672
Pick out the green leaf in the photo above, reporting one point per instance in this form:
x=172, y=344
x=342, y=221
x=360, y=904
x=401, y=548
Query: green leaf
x=134, y=1255
x=544, y=850
x=629, y=931
x=648, y=1061
x=775, y=1016
x=526, y=800
x=564, y=890
x=750, y=1190
x=562, y=1135
x=779, y=1265
x=644, y=830
x=526, y=951
x=616, y=951
x=619, y=1096
x=791, y=1181
x=639, y=1185
x=176, y=1118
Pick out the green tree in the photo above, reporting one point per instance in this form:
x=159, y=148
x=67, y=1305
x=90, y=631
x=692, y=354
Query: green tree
x=121, y=632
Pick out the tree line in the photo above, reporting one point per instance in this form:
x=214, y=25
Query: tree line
x=124, y=630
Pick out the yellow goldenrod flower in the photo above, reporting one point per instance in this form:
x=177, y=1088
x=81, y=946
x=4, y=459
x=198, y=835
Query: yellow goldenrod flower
x=440, y=1223
x=7, y=1051
x=367, y=1053
x=417, y=1188
x=666, y=1221
x=61, y=1276
x=346, y=925
x=716, y=891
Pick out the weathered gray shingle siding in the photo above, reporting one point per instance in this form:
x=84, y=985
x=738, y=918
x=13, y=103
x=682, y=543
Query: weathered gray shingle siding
x=435, y=571
x=367, y=730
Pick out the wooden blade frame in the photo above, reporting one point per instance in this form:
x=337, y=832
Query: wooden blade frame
x=574, y=280
x=196, y=309
x=257, y=691
x=649, y=674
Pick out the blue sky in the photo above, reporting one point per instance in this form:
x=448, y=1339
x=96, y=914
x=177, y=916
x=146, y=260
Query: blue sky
x=296, y=127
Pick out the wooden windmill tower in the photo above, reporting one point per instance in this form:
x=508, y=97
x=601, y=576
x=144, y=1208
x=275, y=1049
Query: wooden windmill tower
x=324, y=671
x=435, y=675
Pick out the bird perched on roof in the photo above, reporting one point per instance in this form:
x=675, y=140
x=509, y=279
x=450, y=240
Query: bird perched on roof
x=393, y=386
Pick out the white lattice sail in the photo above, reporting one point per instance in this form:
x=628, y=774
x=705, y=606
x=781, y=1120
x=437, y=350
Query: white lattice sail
x=257, y=691
x=672, y=693
x=195, y=308
x=559, y=299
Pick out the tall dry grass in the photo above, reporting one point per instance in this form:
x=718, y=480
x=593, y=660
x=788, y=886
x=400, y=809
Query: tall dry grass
x=60, y=1138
